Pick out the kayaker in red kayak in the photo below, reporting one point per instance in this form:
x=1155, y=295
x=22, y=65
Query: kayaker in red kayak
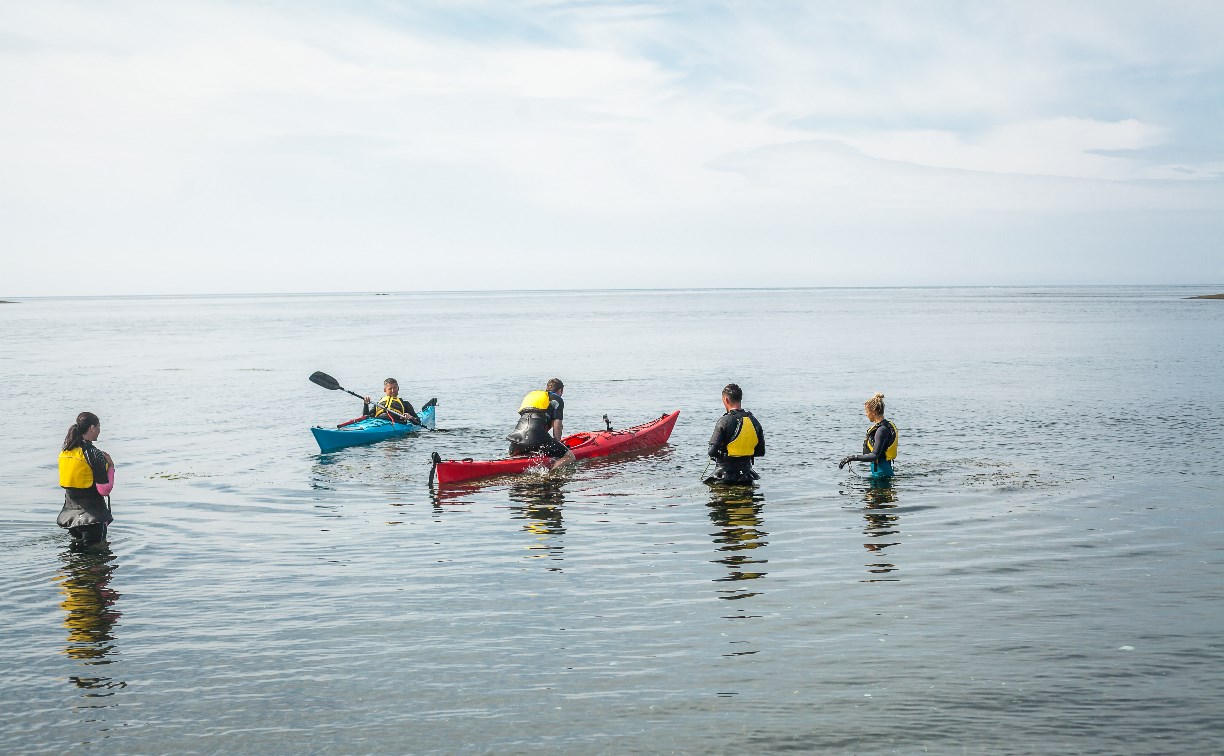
x=391, y=400
x=540, y=425
x=82, y=468
x=738, y=439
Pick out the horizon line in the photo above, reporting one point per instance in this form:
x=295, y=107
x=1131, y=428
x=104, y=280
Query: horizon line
x=8, y=298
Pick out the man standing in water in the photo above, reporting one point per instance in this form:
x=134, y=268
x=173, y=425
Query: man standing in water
x=540, y=425
x=738, y=439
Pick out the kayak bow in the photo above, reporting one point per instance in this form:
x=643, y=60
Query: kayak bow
x=583, y=445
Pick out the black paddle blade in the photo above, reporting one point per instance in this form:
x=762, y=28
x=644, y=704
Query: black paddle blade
x=325, y=380
x=431, y=403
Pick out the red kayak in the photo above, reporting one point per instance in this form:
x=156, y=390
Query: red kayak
x=583, y=445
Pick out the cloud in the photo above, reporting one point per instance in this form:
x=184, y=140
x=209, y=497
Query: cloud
x=256, y=137
x=1066, y=147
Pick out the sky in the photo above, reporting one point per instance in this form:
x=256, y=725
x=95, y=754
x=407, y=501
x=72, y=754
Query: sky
x=311, y=146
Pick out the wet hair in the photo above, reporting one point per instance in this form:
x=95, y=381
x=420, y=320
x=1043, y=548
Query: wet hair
x=554, y=385
x=390, y=381
x=76, y=431
x=733, y=392
x=875, y=404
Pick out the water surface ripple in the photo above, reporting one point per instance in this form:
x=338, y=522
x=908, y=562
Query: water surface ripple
x=1043, y=574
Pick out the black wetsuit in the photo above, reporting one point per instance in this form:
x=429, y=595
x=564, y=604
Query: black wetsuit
x=397, y=404
x=86, y=513
x=735, y=469
x=533, y=433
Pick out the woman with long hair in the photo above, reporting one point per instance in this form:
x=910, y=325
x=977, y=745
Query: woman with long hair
x=82, y=468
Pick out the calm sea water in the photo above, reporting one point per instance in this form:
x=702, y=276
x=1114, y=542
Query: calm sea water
x=1044, y=574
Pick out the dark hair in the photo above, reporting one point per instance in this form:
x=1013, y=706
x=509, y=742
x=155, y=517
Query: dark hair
x=554, y=385
x=389, y=381
x=733, y=392
x=84, y=422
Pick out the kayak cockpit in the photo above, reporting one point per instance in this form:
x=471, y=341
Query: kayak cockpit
x=579, y=439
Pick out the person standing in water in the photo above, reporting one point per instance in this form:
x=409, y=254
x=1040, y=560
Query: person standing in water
x=391, y=401
x=540, y=425
x=82, y=467
x=880, y=445
x=738, y=439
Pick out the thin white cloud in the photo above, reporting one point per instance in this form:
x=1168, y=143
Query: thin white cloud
x=225, y=130
x=1064, y=147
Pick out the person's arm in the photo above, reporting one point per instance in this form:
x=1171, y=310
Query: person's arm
x=881, y=435
x=759, y=451
x=98, y=461
x=411, y=413
x=718, y=442
x=558, y=415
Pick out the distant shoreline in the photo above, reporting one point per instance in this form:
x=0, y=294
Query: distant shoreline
x=5, y=301
x=1208, y=296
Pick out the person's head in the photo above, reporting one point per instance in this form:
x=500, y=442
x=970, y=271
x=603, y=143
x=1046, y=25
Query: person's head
x=555, y=385
x=86, y=428
x=874, y=407
x=732, y=395
x=391, y=387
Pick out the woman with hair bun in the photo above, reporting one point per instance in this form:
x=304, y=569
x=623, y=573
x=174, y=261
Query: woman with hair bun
x=880, y=445
x=83, y=469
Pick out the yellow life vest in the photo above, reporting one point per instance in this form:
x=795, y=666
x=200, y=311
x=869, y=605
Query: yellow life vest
x=74, y=471
x=536, y=400
x=891, y=452
x=390, y=402
x=745, y=442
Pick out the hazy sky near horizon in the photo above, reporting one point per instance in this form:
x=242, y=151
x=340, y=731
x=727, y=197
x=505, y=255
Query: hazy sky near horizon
x=196, y=147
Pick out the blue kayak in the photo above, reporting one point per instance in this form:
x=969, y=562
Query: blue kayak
x=368, y=430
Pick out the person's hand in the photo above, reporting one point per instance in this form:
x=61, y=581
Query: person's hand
x=366, y=399
x=844, y=462
x=109, y=462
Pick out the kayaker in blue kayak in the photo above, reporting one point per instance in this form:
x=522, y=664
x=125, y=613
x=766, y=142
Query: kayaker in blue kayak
x=541, y=424
x=391, y=401
x=82, y=468
x=738, y=439
x=880, y=445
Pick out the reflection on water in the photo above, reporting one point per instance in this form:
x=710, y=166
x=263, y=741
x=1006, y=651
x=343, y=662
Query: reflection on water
x=883, y=526
x=736, y=510
x=91, y=616
x=539, y=501
x=440, y=497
